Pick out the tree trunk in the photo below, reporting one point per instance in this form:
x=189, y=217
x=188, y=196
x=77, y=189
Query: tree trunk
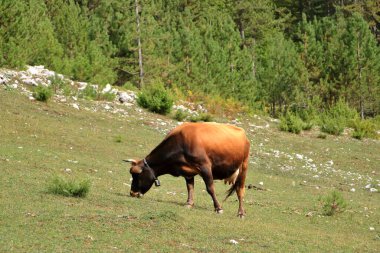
x=361, y=102
x=253, y=59
x=141, y=84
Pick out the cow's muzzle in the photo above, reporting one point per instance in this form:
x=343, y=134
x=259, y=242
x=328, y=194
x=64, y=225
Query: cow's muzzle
x=136, y=194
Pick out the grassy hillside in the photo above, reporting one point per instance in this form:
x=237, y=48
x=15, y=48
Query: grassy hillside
x=39, y=141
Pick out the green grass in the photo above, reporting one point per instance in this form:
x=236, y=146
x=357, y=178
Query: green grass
x=68, y=188
x=39, y=141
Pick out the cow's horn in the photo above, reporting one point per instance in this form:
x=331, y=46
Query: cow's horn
x=129, y=160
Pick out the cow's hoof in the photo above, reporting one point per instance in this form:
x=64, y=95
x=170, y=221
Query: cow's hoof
x=219, y=211
x=189, y=206
x=241, y=215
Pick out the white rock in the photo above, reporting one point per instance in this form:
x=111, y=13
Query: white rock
x=30, y=81
x=82, y=85
x=34, y=70
x=127, y=97
x=67, y=170
x=261, y=183
x=373, y=190
x=234, y=241
x=107, y=89
x=352, y=190
x=75, y=106
x=368, y=186
x=299, y=156
x=3, y=79
x=371, y=229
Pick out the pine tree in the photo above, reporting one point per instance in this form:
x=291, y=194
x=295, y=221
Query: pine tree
x=27, y=35
x=362, y=58
x=281, y=73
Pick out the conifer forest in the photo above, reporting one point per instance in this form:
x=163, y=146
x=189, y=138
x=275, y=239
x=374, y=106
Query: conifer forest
x=267, y=55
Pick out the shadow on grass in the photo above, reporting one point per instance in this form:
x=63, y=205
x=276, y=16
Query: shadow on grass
x=172, y=202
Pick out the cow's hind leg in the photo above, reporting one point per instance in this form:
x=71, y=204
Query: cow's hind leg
x=209, y=181
x=190, y=192
x=240, y=189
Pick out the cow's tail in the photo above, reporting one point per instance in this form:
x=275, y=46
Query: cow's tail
x=240, y=180
x=234, y=186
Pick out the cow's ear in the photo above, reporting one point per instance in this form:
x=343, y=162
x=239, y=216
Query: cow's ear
x=136, y=170
x=132, y=161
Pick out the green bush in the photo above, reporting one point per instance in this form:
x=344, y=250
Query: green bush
x=89, y=93
x=180, y=115
x=156, y=99
x=130, y=86
x=332, y=203
x=71, y=188
x=363, y=128
x=42, y=93
x=108, y=96
x=332, y=125
x=57, y=83
x=291, y=123
x=337, y=118
x=118, y=139
x=343, y=111
x=308, y=115
x=203, y=117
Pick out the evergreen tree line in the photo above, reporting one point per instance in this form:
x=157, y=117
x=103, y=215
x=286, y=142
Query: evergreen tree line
x=270, y=55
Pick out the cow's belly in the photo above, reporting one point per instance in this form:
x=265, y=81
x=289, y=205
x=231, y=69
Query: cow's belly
x=229, y=174
x=188, y=172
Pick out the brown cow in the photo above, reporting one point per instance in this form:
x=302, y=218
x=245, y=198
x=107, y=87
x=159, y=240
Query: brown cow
x=211, y=150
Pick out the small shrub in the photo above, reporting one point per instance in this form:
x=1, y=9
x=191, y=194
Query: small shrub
x=363, y=128
x=56, y=83
x=308, y=115
x=307, y=125
x=89, y=93
x=332, y=125
x=130, y=86
x=67, y=91
x=337, y=118
x=332, y=203
x=203, y=117
x=322, y=136
x=42, y=93
x=156, y=99
x=343, y=111
x=180, y=115
x=108, y=96
x=118, y=139
x=291, y=123
x=72, y=188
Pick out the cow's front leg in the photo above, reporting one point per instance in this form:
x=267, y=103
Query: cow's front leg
x=209, y=181
x=190, y=192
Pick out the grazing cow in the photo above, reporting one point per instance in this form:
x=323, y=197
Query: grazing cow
x=211, y=150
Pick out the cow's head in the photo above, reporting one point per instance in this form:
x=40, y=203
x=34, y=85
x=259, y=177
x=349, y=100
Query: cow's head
x=142, y=177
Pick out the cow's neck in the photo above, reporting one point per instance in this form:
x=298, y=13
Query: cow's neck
x=156, y=165
x=159, y=159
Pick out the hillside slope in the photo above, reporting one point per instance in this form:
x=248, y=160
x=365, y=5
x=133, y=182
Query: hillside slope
x=41, y=140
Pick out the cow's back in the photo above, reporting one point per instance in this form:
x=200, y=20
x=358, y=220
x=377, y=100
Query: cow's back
x=225, y=147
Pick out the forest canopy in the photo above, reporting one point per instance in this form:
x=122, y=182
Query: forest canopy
x=268, y=55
